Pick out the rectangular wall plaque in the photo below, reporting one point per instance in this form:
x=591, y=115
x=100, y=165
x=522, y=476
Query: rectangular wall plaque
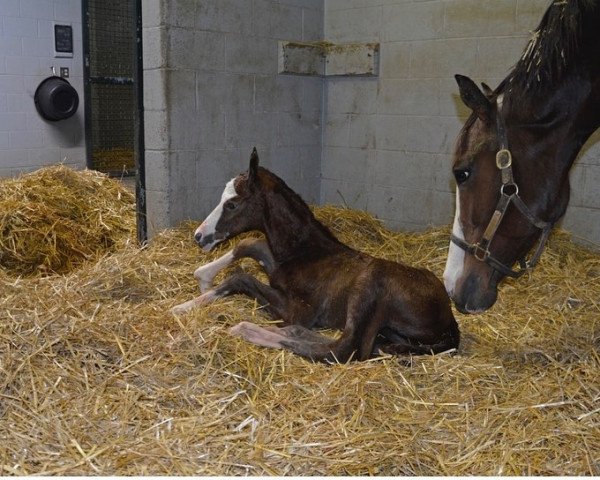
x=63, y=40
x=327, y=59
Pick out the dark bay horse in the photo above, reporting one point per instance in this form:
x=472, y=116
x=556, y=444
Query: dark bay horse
x=315, y=281
x=514, y=153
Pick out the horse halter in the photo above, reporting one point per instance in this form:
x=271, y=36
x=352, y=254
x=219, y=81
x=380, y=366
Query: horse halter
x=509, y=193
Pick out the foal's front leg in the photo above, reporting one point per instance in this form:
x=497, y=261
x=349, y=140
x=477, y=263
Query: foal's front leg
x=205, y=276
x=274, y=301
x=257, y=249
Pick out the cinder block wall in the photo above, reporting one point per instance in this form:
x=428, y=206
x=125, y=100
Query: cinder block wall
x=28, y=142
x=388, y=141
x=212, y=92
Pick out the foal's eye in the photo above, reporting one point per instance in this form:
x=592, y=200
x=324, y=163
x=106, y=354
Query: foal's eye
x=230, y=205
x=461, y=175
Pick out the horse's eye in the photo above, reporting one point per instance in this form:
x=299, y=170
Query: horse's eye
x=461, y=175
x=230, y=205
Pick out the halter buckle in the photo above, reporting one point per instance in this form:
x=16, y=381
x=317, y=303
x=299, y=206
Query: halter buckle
x=503, y=159
x=480, y=253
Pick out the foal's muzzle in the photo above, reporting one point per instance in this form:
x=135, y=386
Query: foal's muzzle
x=203, y=239
x=208, y=241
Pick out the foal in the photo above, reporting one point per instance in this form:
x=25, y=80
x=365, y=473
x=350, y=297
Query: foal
x=315, y=281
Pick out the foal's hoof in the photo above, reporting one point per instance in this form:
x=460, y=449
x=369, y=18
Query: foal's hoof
x=239, y=329
x=203, y=299
x=181, y=308
x=257, y=335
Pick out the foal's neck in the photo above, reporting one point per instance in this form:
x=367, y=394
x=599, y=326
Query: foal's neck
x=291, y=228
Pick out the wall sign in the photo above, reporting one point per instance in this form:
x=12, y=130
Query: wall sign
x=63, y=40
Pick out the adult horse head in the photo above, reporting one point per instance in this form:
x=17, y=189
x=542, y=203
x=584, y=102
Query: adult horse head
x=514, y=153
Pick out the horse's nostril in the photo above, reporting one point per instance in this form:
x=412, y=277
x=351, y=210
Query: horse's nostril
x=198, y=237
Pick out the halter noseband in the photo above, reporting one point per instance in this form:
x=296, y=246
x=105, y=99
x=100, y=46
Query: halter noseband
x=509, y=192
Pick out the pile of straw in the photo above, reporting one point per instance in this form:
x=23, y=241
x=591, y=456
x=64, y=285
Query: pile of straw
x=97, y=377
x=54, y=219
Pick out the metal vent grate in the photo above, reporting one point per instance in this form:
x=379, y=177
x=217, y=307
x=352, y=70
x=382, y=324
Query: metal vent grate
x=110, y=88
x=112, y=109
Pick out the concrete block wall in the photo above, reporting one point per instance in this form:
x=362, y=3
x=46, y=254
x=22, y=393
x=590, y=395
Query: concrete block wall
x=212, y=92
x=388, y=141
x=28, y=142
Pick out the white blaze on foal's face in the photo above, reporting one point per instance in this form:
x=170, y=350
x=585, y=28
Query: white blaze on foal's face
x=206, y=234
x=456, y=255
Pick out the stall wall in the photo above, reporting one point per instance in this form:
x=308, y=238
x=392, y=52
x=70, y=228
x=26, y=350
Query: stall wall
x=27, y=142
x=212, y=93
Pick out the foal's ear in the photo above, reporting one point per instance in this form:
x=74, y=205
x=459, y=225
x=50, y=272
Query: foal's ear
x=253, y=168
x=473, y=97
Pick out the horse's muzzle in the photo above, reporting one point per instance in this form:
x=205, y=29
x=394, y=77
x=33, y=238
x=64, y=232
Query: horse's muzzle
x=473, y=297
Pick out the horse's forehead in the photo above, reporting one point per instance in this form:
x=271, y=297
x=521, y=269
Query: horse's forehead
x=229, y=191
x=234, y=187
x=473, y=140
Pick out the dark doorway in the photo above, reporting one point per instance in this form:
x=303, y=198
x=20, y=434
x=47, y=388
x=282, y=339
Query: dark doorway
x=112, y=55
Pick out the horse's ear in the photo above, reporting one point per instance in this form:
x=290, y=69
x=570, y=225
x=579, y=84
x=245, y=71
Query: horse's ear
x=473, y=97
x=253, y=168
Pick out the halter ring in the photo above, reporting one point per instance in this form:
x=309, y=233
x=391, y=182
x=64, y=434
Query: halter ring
x=513, y=186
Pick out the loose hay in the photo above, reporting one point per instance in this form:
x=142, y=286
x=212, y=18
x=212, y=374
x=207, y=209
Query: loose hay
x=54, y=219
x=98, y=378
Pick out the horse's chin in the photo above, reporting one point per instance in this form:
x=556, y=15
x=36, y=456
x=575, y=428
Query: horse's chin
x=472, y=309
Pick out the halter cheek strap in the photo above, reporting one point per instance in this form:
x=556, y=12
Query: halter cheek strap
x=509, y=193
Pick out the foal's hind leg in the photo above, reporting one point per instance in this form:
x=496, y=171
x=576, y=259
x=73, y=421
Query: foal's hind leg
x=358, y=337
x=275, y=337
x=297, y=332
x=257, y=249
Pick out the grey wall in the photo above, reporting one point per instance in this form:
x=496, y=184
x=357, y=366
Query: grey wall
x=388, y=141
x=212, y=92
x=28, y=142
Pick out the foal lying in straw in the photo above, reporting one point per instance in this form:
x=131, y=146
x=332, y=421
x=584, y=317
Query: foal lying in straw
x=315, y=281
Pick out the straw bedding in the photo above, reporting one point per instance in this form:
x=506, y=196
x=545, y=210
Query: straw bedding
x=97, y=377
x=55, y=219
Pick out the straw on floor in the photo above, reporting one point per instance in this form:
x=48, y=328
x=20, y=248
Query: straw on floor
x=97, y=377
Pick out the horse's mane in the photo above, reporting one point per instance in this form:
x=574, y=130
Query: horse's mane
x=554, y=47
